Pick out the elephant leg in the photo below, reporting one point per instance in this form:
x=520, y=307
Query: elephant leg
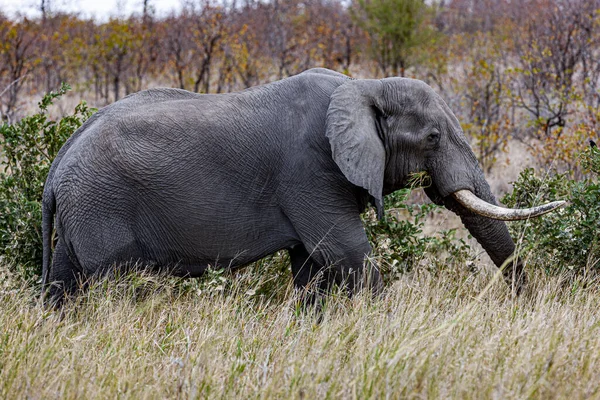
x=65, y=278
x=314, y=281
x=515, y=276
x=311, y=280
x=355, y=272
x=308, y=275
x=339, y=247
x=304, y=269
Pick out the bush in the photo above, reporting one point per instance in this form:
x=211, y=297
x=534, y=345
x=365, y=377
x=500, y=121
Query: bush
x=398, y=241
x=28, y=148
x=566, y=239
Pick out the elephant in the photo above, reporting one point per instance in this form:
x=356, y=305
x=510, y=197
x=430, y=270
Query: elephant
x=183, y=181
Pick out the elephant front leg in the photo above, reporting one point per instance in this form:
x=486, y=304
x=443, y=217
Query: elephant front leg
x=309, y=277
x=314, y=281
x=355, y=272
x=307, y=273
x=515, y=276
x=336, y=253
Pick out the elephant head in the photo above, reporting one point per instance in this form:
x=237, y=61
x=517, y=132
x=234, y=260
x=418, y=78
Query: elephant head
x=383, y=131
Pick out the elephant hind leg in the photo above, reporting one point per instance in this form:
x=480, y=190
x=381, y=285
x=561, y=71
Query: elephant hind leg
x=65, y=277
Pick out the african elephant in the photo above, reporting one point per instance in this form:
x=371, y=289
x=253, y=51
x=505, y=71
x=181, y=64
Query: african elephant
x=182, y=181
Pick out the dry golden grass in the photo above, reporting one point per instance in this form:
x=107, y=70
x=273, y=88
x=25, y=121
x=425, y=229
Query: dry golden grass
x=442, y=335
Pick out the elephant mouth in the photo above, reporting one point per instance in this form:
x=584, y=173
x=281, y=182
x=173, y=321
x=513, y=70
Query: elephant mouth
x=473, y=203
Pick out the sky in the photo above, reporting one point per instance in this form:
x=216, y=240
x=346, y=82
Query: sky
x=99, y=9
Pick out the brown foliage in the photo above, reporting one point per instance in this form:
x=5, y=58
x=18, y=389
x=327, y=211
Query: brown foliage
x=523, y=69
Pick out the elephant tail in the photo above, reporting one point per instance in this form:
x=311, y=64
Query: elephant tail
x=48, y=210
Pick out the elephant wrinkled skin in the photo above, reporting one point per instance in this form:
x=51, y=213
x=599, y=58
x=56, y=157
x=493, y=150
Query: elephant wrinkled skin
x=182, y=181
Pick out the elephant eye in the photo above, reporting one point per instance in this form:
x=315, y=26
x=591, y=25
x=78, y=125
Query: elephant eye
x=433, y=137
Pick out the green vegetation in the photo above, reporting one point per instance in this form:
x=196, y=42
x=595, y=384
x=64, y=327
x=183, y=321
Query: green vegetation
x=568, y=239
x=400, y=245
x=396, y=28
x=29, y=147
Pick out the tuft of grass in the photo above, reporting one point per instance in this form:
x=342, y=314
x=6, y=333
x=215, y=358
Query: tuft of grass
x=432, y=334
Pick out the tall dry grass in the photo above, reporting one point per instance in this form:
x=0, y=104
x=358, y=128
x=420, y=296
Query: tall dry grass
x=449, y=334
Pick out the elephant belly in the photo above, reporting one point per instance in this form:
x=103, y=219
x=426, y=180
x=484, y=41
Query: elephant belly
x=196, y=246
x=198, y=238
x=186, y=247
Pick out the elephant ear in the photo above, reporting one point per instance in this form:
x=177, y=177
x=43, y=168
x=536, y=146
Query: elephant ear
x=352, y=132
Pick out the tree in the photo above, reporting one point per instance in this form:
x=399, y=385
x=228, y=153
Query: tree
x=116, y=44
x=555, y=78
x=488, y=120
x=396, y=28
x=558, y=38
x=178, y=47
x=192, y=41
x=208, y=32
x=17, y=60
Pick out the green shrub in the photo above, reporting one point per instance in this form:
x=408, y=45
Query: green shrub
x=566, y=239
x=399, y=244
x=27, y=149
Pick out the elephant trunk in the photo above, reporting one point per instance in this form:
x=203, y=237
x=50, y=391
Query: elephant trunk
x=491, y=233
x=494, y=237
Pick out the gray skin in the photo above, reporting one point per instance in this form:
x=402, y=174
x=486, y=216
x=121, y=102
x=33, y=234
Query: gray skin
x=181, y=181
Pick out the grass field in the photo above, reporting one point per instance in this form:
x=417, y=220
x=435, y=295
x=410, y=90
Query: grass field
x=449, y=334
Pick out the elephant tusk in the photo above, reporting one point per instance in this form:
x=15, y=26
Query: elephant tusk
x=481, y=207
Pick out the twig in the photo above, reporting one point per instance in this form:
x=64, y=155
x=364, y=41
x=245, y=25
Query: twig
x=11, y=84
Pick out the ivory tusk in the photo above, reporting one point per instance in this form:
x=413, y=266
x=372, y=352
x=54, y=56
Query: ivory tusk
x=481, y=207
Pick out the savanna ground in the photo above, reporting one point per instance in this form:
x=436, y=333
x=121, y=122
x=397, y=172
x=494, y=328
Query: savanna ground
x=442, y=334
